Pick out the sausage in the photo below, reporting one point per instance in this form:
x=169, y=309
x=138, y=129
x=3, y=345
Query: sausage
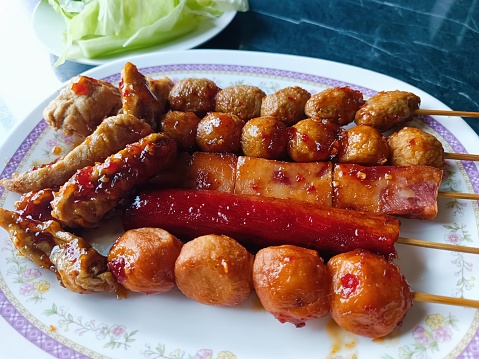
x=257, y=221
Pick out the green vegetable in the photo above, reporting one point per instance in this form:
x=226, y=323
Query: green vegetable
x=104, y=27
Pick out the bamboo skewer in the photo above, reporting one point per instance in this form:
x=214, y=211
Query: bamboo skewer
x=435, y=245
x=461, y=156
x=433, y=298
x=459, y=195
x=447, y=113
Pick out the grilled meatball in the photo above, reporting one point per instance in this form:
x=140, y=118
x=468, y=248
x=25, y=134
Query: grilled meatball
x=313, y=140
x=193, y=95
x=215, y=270
x=369, y=295
x=337, y=104
x=219, y=132
x=181, y=126
x=292, y=283
x=286, y=104
x=387, y=109
x=264, y=137
x=412, y=146
x=363, y=145
x=143, y=260
x=243, y=101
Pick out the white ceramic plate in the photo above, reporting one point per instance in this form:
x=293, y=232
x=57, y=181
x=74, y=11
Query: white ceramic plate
x=50, y=26
x=171, y=326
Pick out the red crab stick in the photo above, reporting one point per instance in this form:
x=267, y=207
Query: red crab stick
x=258, y=221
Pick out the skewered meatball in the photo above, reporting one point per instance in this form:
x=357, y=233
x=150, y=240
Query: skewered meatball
x=193, y=95
x=363, y=145
x=243, y=101
x=337, y=104
x=292, y=283
x=264, y=137
x=370, y=296
x=313, y=140
x=286, y=104
x=181, y=126
x=387, y=109
x=412, y=146
x=143, y=260
x=220, y=132
x=215, y=270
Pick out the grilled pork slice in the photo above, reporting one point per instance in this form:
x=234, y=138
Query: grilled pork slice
x=94, y=190
x=82, y=105
x=309, y=182
x=110, y=137
x=78, y=266
x=406, y=191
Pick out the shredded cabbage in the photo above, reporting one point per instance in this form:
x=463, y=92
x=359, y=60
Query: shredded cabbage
x=103, y=27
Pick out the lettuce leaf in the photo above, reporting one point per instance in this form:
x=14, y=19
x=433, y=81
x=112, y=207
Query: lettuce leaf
x=103, y=27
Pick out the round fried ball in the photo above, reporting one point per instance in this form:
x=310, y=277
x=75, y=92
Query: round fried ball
x=387, y=109
x=286, y=104
x=292, y=283
x=243, y=101
x=180, y=126
x=412, y=146
x=369, y=295
x=313, y=140
x=337, y=104
x=363, y=145
x=193, y=95
x=215, y=270
x=143, y=260
x=264, y=137
x=219, y=132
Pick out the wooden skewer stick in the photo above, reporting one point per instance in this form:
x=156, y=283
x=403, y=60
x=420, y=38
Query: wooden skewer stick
x=447, y=113
x=461, y=156
x=432, y=298
x=435, y=245
x=459, y=195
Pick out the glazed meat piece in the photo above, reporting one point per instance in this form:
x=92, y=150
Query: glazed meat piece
x=243, y=101
x=292, y=283
x=406, y=191
x=36, y=205
x=286, y=104
x=363, y=145
x=82, y=105
x=369, y=295
x=143, y=260
x=94, y=190
x=411, y=146
x=387, y=109
x=181, y=126
x=219, y=132
x=161, y=89
x=112, y=135
x=313, y=140
x=215, y=270
x=337, y=104
x=264, y=137
x=193, y=95
x=79, y=267
x=136, y=96
x=307, y=182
